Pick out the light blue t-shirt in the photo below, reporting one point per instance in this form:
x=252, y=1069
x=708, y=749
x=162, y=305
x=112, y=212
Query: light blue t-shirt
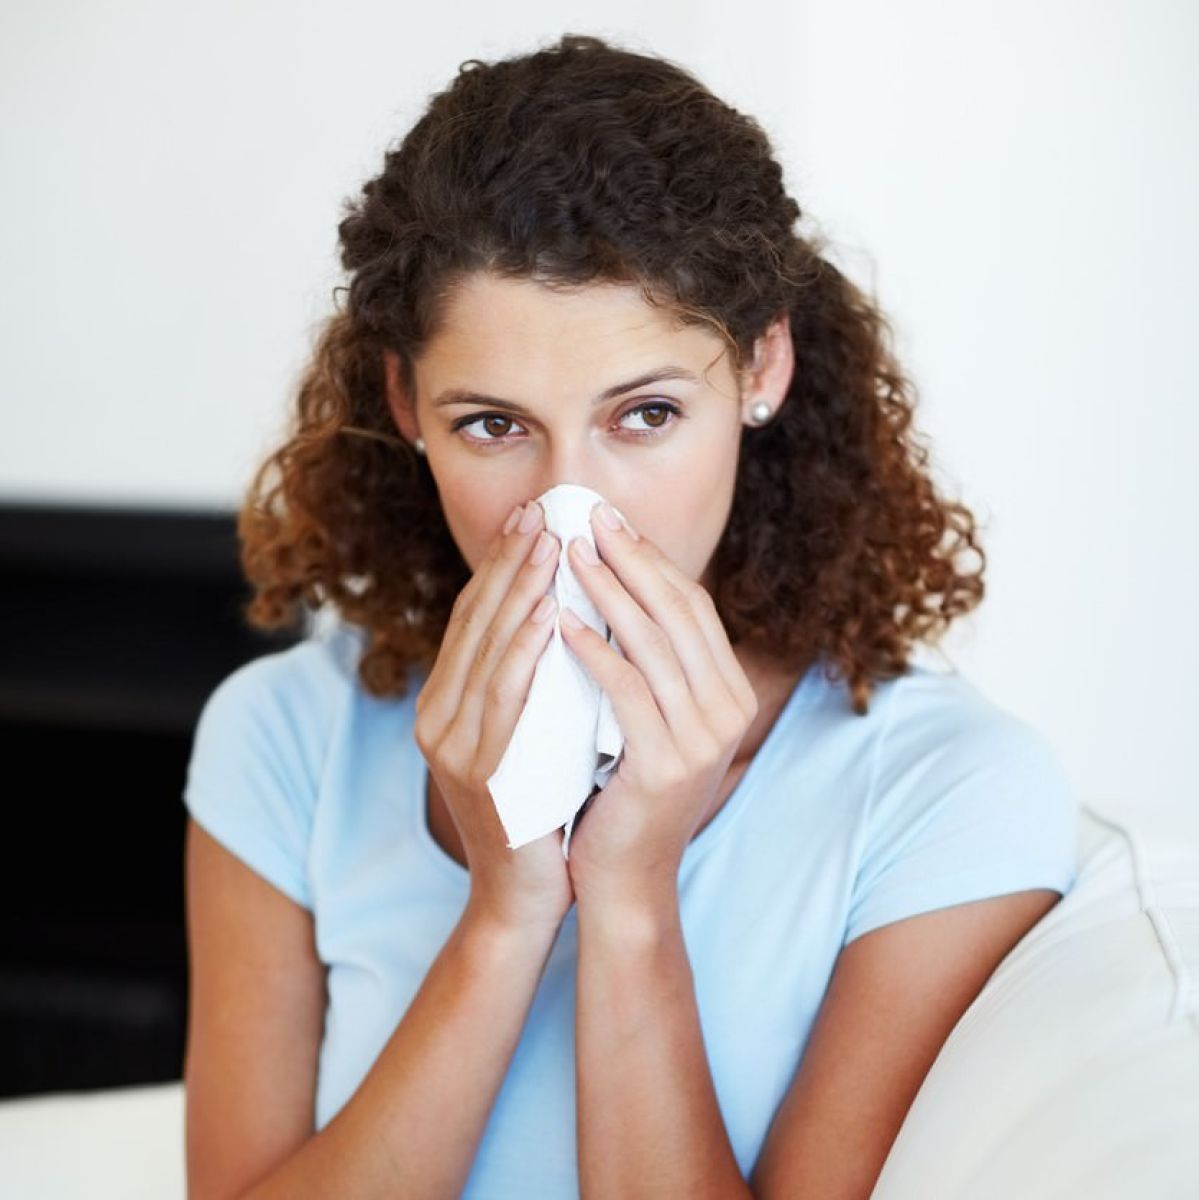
x=839, y=825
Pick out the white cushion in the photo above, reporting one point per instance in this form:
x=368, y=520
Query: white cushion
x=107, y=1144
x=1075, y=1072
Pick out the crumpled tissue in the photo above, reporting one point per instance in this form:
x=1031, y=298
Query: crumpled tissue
x=566, y=741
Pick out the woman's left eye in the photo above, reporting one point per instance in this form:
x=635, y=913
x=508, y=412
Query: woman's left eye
x=672, y=410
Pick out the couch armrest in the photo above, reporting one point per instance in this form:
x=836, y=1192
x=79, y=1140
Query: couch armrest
x=1075, y=1072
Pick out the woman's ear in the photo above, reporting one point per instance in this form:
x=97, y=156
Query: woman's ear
x=768, y=377
x=402, y=412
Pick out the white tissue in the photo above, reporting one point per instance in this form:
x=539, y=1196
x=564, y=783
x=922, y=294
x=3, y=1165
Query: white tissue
x=566, y=740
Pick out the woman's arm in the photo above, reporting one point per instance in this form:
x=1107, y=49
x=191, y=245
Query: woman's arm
x=649, y=1123
x=649, y=1120
x=414, y=1125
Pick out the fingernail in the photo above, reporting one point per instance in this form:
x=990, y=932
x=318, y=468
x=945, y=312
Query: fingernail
x=607, y=514
x=586, y=551
x=543, y=547
x=513, y=517
x=614, y=520
x=569, y=619
x=545, y=606
x=532, y=517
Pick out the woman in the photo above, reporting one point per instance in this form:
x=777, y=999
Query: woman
x=580, y=266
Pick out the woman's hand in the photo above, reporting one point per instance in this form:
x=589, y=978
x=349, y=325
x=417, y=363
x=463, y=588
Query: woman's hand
x=466, y=711
x=683, y=704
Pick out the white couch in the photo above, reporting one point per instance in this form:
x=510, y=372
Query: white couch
x=1074, y=1074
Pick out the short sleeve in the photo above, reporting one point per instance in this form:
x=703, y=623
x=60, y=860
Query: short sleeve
x=253, y=772
x=963, y=814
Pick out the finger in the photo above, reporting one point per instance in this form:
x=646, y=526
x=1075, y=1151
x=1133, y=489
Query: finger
x=473, y=610
x=665, y=643
x=641, y=721
x=508, y=685
x=726, y=661
x=636, y=567
x=640, y=565
x=533, y=581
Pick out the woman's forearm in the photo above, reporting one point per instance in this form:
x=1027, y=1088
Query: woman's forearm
x=649, y=1123
x=414, y=1125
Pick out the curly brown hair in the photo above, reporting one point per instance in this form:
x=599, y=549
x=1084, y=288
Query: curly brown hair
x=584, y=162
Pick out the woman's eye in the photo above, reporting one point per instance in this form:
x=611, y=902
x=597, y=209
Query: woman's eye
x=662, y=415
x=465, y=422
x=666, y=411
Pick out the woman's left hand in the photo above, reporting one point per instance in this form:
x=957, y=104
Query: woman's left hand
x=683, y=704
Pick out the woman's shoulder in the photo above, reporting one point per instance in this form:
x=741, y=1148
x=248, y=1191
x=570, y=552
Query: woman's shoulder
x=927, y=729
x=259, y=751
x=932, y=708
x=948, y=746
x=298, y=688
x=928, y=703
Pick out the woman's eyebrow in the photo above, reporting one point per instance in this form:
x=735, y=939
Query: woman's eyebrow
x=463, y=396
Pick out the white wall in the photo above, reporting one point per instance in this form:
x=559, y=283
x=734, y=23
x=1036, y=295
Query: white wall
x=1021, y=182
x=1017, y=183
x=174, y=177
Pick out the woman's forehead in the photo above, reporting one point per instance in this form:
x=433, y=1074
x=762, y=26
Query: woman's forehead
x=489, y=321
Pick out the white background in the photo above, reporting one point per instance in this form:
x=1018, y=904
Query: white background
x=1018, y=185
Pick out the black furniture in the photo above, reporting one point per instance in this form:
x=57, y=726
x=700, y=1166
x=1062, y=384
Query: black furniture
x=117, y=624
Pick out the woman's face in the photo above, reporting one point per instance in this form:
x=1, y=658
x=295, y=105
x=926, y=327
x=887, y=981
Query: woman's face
x=592, y=387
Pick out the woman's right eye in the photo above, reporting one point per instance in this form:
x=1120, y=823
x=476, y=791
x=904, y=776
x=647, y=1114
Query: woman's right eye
x=463, y=422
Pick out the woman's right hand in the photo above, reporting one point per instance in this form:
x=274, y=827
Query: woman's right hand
x=466, y=712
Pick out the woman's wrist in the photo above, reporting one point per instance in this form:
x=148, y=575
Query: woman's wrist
x=509, y=928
